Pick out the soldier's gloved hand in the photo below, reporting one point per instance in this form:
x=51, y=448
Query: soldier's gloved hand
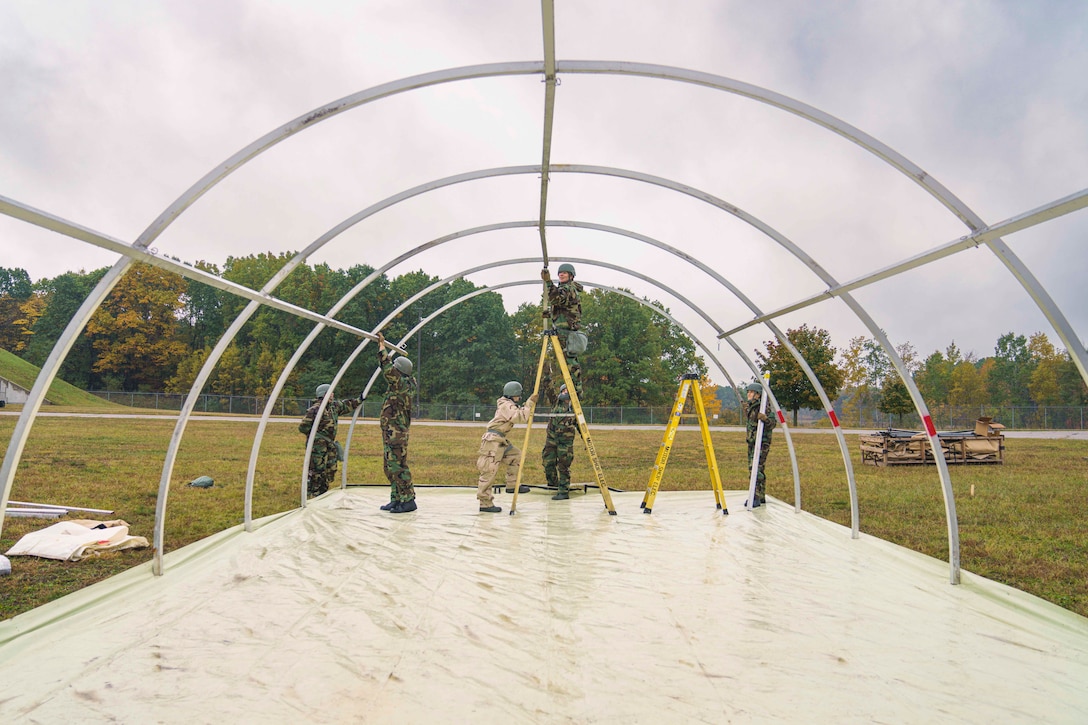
x=362, y=396
x=533, y=398
x=545, y=275
x=763, y=417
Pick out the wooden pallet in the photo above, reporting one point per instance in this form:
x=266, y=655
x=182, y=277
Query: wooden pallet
x=898, y=447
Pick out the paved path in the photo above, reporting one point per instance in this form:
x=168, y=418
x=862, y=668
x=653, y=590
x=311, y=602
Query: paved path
x=1079, y=435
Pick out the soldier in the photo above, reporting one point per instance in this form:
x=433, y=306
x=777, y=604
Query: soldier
x=753, y=417
x=496, y=450
x=566, y=313
x=326, y=451
x=558, y=451
x=396, y=416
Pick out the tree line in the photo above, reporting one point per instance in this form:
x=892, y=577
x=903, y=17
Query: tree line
x=156, y=328
x=1023, y=371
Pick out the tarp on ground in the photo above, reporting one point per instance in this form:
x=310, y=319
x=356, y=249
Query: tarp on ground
x=344, y=613
x=74, y=539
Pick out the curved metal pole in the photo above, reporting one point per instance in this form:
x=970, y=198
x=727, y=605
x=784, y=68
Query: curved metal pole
x=952, y=523
x=1035, y=290
x=258, y=438
x=758, y=375
x=639, y=237
x=67, y=338
x=706, y=349
x=251, y=309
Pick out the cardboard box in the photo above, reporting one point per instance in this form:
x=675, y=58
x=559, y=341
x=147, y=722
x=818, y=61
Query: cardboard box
x=985, y=426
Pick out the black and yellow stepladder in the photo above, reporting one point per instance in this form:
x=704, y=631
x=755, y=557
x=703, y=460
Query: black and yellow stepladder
x=552, y=338
x=688, y=382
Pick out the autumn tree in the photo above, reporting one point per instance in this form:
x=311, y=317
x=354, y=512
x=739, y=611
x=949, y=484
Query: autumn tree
x=790, y=385
x=15, y=290
x=968, y=385
x=135, y=330
x=712, y=404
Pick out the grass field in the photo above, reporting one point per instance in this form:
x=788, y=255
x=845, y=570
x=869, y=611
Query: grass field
x=1023, y=525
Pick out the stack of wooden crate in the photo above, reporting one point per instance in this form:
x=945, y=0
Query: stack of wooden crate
x=893, y=447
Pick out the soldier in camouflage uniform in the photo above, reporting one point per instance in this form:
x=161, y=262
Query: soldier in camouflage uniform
x=496, y=450
x=752, y=418
x=325, y=452
x=395, y=417
x=558, y=451
x=566, y=313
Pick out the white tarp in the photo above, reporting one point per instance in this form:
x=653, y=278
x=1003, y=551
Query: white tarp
x=72, y=539
x=560, y=614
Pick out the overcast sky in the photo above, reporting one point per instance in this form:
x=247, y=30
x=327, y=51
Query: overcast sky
x=111, y=110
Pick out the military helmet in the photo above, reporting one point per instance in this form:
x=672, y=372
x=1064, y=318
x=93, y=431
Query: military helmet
x=564, y=396
x=568, y=268
x=403, y=364
x=512, y=389
x=754, y=388
x=322, y=389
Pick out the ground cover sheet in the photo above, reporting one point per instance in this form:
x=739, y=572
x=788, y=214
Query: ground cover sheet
x=561, y=614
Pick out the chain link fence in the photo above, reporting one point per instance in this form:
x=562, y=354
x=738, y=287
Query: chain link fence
x=255, y=404
x=948, y=418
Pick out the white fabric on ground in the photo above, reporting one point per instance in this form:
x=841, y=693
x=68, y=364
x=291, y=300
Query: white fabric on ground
x=73, y=539
x=344, y=613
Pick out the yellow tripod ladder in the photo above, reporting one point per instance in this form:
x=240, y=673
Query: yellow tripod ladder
x=552, y=337
x=688, y=382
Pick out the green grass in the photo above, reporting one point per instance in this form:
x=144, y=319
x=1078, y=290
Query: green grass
x=1021, y=527
x=23, y=374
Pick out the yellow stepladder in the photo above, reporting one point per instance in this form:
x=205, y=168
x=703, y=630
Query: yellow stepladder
x=551, y=336
x=687, y=382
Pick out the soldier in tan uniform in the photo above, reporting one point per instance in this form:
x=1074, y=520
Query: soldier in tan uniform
x=495, y=447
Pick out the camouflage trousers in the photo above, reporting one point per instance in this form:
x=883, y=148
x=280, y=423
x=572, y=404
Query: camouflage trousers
x=552, y=378
x=761, y=478
x=396, y=469
x=557, y=456
x=322, y=467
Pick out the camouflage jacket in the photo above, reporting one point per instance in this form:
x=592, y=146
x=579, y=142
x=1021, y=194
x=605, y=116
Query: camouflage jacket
x=326, y=429
x=564, y=425
x=396, y=414
x=751, y=416
x=566, y=305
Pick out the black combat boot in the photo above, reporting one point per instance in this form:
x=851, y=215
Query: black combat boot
x=403, y=507
x=490, y=509
x=521, y=489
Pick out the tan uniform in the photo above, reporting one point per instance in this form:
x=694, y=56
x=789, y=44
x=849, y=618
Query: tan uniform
x=496, y=449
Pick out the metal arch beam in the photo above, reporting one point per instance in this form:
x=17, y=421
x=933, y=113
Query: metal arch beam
x=665, y=183
x=1053, y=210
x=67, y=338
x=239, y=322
x=288, y=369
x=56, y=224
x=878, y=334
x=1038, y=293
x=645, y=303
x=934, y=188
x=547, y=12
x=474, y=175
x=130, y=254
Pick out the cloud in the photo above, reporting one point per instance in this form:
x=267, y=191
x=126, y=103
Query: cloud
x=112, y=112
